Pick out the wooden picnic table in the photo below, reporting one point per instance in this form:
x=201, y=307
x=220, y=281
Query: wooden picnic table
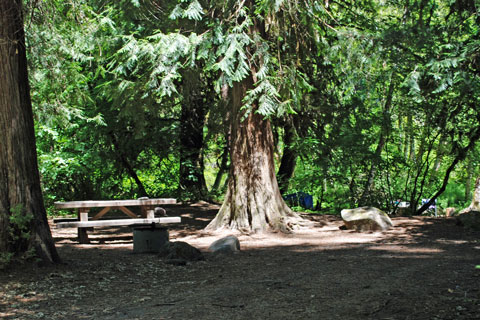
x=147, y=207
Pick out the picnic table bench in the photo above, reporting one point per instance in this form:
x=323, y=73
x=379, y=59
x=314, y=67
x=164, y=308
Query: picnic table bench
x=82, y=223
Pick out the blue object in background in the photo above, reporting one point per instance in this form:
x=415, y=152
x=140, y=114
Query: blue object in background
x=432, y=206
x=300, y=198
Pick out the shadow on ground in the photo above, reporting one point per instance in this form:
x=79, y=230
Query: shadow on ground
x=424, y=268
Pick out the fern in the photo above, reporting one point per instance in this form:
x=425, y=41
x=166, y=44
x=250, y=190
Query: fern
x=176, y=13
x=193, y=11
x=234, y=61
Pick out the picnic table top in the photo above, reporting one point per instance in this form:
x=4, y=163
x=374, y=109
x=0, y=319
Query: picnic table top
x=117, y=222
x=113, y=203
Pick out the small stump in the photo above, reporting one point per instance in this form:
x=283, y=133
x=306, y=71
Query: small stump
x=149, y=239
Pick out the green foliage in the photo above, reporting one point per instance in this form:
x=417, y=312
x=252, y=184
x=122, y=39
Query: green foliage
x=430, y=109
x=19, y=233
x=20, y=223
x=454, y=196
x=192, y=11
x=5, y=259
x=107, y=88
x=89, y=129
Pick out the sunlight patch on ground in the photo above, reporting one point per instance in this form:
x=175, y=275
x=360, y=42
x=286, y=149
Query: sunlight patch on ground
x=396, y=248
x=408, y=250
x=447, y=241
x=309, y=240
x=404, y=256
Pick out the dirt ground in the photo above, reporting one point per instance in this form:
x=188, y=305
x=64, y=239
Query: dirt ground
x=423, y=268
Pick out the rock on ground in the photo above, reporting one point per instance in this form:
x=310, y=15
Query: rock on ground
x=180, y=250
x=366, y=219
x=229, y=244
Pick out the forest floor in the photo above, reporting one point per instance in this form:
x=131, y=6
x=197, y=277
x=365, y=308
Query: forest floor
x=423, y=268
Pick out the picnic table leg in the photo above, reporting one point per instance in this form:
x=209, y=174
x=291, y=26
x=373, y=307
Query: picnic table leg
x=82, y=232
x=148, y=212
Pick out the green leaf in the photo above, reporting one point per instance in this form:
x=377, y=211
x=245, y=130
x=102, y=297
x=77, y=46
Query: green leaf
x=194, y=11
x=177, y=12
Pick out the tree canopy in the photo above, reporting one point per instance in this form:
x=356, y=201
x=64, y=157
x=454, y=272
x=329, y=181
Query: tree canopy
x=369, y=102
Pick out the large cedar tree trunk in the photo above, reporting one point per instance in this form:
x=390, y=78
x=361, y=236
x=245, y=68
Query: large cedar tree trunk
x=20, y=193
x=253, y=202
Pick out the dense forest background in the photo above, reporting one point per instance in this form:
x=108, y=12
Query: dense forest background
x=370, y=101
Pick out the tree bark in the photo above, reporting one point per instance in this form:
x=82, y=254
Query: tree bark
x=126, y=164
x=223, y=168
x=23, y=220
x=192, y=180
x=289, y=157
x=224, y=165
x=411, y=138
x=253, y=202
x=468, y=181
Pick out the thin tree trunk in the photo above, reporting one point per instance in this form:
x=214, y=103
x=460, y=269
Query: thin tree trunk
x=381, y=143
x=461, y=154
x=126, y=164
x=192, y=180
x=440, y=154
x=468, y=187
x=23, y=219
x=289, y=157
x=223, y=168
x=405, y=140
x=225, y=102
x=411, y=136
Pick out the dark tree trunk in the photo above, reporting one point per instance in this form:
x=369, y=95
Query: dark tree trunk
x=192, y=180
x=289, y=157
x=461, y=154
x=411, y=138
x=126, y=164
x=224, y=165
x=253, y=201
x=468, y=182
x=366, y=198
x=223, y=168
x=23, y=219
